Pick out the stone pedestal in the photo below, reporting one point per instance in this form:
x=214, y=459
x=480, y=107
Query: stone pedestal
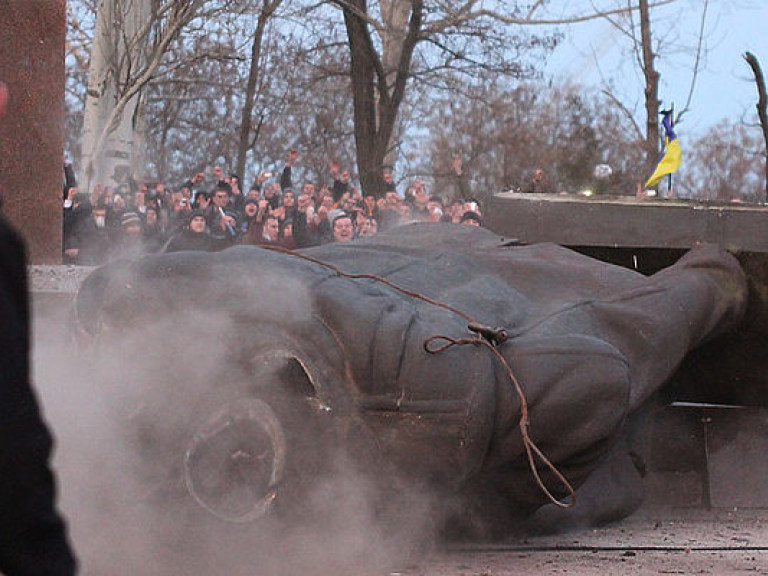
x=32, y=36
x=626, y=222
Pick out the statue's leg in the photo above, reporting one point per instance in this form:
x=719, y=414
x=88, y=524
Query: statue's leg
x=612, y=492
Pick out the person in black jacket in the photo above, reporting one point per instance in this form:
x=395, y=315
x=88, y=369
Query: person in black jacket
x=33, y=539
x=195, y=236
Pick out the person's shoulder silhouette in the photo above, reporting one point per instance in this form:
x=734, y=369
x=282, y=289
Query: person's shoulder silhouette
x=33, y=538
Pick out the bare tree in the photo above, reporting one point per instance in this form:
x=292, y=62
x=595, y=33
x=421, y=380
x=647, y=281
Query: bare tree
x=79, y=39
x=401, y=53
x=422, y=37
x=651, y=76
x=193, y=106
x=503, y=132
x=266, y=11
x=376, y=92
x=131, y=38
x=302, y=100
x=383, y=38
x=762, y=106
x=724, y=164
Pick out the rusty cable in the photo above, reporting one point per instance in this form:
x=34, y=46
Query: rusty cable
x=485, y=336
x=531, y=449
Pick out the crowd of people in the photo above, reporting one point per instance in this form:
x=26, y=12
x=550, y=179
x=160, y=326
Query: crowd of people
x=212, y=212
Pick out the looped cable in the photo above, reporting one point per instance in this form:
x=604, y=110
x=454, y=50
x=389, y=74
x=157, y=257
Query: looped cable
x=484, y=336
x=531, y=450
x=450, y=342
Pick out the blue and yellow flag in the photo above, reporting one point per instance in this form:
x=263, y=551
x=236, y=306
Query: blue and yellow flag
x=672, y=158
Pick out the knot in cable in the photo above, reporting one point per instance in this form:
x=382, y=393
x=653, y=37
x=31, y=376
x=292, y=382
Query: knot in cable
x=494, y=336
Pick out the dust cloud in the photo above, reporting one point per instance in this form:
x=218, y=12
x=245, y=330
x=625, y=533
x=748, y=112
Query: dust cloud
x=123, y=413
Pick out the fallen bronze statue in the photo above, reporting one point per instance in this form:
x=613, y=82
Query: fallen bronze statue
x=500, y=376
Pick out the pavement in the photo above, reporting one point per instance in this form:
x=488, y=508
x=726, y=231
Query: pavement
x=656, y=540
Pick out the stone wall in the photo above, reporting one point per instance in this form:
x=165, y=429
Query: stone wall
x=32, y=36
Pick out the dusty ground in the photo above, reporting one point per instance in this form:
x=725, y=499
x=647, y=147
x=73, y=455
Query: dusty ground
x=654, y=541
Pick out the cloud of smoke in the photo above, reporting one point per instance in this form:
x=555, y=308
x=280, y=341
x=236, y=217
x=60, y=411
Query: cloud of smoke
x=124, y=412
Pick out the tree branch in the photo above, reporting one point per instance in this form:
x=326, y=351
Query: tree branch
x=696, y=64
x=182, y=16
x=762, y=105
x=348, y=6
x=463, y=15
x=627, y=112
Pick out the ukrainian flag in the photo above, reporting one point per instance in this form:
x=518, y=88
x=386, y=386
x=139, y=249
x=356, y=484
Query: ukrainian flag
x=672, y=158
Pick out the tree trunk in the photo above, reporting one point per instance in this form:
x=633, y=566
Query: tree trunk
x=762, y=107
x=376, y=102
x=363, y=77
x=246, y=120
x=109, y=141
x=651, y=91
x=395, y=18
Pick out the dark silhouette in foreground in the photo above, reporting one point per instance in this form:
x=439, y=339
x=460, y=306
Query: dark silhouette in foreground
x=32, y=535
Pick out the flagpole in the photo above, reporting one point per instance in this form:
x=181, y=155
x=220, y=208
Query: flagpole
x=671, y=123
x=671, y=159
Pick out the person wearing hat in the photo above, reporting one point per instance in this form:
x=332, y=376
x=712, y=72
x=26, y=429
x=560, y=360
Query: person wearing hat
x=250, y=211
x=130, y=242
x=130, y=223
x=471, y=218
x=195, y=236
x=286, y=237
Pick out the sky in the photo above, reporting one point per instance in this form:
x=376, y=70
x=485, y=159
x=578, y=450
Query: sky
x=595, y=54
